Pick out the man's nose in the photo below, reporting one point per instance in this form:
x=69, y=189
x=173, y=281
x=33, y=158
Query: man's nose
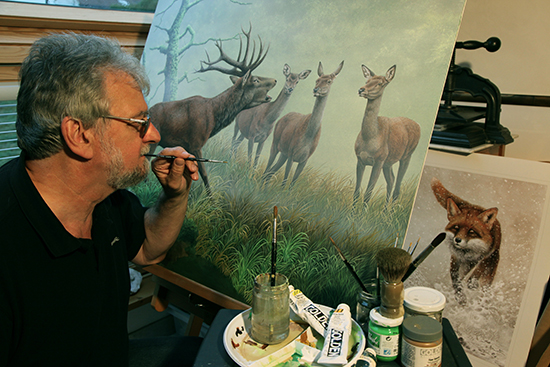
x=152, y=135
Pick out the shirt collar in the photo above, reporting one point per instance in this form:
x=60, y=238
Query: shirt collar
x=58, y=241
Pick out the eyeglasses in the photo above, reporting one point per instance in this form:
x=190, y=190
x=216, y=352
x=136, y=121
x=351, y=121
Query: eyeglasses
x=144, y=123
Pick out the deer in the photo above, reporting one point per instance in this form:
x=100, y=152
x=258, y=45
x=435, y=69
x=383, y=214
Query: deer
x=382, y=141
x=296, y=135
x=256, y=124
x=192, y=121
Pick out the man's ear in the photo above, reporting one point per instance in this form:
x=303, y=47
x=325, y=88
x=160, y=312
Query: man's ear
x=78, y=139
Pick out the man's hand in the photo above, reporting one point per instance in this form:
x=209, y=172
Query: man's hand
x=175, y=175
x=164, y=220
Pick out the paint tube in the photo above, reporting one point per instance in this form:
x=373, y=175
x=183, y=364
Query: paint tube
x=367, y=359
x=335, y=348
x=308, y=311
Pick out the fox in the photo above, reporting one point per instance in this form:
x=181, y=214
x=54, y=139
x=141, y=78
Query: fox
x=473, y=236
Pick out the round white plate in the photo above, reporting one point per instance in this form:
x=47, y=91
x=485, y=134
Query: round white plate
x=302, y=341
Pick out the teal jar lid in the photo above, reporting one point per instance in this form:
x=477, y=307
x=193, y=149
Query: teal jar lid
x=422, y=328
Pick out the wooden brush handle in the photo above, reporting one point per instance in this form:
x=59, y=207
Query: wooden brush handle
x=391, y=299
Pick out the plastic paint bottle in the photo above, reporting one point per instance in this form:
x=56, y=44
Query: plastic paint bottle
x=422, y=343
x=424, y=301
x=367, y=359
x=383, y=335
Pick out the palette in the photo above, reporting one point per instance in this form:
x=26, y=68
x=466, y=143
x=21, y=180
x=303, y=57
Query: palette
x=301, y=348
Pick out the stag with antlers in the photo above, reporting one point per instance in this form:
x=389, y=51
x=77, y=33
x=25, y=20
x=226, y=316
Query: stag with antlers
x=256, y=124
x=192, y=121
x=296, y=135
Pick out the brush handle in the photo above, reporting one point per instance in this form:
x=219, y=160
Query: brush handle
x=274, y=248
x=440, y=237
x=391, y=299
x=273, y=262
x=352, y=271
x=348, y=265
x=194, y=159
x=423, y=255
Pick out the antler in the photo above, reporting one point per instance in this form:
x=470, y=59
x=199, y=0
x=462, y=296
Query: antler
x=240, y=67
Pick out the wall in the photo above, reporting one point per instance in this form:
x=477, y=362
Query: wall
x=519, y=67
x=22, y=24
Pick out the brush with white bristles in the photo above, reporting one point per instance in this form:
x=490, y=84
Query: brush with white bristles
x=393, y=263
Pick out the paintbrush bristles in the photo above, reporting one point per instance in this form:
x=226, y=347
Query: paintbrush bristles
x=393, y=263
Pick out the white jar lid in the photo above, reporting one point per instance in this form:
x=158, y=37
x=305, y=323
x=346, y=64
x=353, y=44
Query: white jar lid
x=377, y=318
x=423, y=299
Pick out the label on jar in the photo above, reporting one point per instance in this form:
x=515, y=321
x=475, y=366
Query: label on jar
x=384, y=345
x=416, y=356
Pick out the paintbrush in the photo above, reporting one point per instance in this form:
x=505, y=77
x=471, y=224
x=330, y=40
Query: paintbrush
x=194, y=159
x=414, y=247
x=424, y=254
x=392, y=262
x=274, y=248
x=350, y=268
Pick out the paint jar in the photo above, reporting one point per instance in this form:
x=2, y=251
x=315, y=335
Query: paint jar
x=383, y=335
x=422, y=342
x=424, y=301
x=270, y=309
x=366, y=301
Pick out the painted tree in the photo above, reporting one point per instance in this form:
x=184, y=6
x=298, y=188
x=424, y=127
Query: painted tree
x=178, y=42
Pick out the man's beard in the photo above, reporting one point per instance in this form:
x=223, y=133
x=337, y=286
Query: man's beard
x=118, y=177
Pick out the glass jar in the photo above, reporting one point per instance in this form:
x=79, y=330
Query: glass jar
x=270, y=309
x=366, y=301
x=424, y=301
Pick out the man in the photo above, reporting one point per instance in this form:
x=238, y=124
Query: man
x=68, y=228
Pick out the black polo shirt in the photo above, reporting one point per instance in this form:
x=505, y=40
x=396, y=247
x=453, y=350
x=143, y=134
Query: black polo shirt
x=63, y=300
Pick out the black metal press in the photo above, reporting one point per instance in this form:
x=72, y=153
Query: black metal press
x=472, y=125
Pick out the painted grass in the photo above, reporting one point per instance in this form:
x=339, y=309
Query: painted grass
x=232, y=229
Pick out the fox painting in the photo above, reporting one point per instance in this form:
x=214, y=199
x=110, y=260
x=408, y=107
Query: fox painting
x=473, y=236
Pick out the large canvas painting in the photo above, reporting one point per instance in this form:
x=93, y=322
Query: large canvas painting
x=494, y=319
x=323, y=109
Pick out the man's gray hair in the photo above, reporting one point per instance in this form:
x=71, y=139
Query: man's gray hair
x=63, y=76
